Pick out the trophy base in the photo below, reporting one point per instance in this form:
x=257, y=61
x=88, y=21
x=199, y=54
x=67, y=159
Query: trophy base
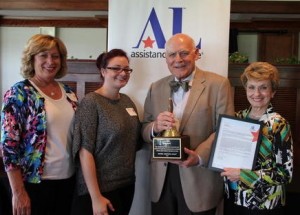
x=170, y=148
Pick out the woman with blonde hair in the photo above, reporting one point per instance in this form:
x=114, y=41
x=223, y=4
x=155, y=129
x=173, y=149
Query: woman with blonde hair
x=36, y=116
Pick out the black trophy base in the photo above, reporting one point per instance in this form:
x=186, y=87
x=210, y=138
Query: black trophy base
x=170, y=148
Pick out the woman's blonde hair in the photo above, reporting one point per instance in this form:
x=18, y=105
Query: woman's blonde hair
x=261, y=71
x=40, y=43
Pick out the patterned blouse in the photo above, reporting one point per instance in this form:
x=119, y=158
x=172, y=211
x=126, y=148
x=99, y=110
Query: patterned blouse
x=264, y=188
x=23, y=129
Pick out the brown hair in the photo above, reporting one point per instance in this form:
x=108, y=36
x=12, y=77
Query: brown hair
x=104, y=58
x=40, y=43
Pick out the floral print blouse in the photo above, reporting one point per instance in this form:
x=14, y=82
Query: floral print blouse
x=264, y=187
x=23, y=129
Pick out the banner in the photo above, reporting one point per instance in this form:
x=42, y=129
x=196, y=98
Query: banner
x=141, y=28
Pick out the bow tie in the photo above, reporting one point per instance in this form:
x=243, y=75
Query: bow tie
x=176, y=84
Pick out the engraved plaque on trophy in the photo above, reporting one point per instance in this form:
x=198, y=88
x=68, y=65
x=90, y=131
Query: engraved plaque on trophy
x=170, y=146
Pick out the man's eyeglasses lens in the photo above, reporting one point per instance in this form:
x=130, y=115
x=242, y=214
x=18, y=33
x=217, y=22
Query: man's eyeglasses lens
x=182, y=54
x=120, y=69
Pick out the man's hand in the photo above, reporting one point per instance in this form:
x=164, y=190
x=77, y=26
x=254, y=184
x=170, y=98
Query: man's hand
x=164, y=121
x=192, y=159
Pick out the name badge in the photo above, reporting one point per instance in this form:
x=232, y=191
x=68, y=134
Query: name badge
x=131, y=111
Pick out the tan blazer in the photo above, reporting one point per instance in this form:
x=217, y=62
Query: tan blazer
x=210, y=95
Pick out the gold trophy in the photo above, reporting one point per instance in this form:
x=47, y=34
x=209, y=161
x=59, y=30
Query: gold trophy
x=170, y=146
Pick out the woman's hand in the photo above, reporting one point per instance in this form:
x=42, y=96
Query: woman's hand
x=21, y=202
x=232, y=174
x=101, y=206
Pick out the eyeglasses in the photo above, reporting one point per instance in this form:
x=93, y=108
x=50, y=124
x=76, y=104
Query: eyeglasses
x=182, y=54
x=120, y=69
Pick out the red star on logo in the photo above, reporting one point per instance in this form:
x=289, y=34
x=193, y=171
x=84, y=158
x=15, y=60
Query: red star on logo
x=148, y=42
x=255, y=135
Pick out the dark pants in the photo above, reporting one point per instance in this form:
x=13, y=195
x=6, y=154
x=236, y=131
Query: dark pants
x=5, y=196
x=121, y=200
x=230, y=208
x=51, y=196
x=172, y=201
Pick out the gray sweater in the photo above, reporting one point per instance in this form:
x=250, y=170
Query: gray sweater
x=106, y=128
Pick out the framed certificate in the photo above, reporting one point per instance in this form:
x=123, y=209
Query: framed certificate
x=236, y=143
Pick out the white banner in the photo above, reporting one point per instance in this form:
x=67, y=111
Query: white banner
x=141, y=28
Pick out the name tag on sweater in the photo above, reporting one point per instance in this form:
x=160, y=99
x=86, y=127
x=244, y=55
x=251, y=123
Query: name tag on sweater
x=131, y=111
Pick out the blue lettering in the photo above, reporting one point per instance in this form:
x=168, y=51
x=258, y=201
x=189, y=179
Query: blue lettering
x=158, y=34
x=157, y=30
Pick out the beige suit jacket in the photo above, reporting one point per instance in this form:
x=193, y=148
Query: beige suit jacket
x=210, y=95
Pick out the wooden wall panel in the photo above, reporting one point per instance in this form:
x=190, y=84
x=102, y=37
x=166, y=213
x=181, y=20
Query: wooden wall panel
x=87, y=5
x=84, y=74
x=276, y=45
x=265, y=7
x=72, y=84
x=91, y=86
x=60, y=22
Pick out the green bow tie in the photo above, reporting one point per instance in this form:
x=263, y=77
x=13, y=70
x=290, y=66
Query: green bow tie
x=176, y=84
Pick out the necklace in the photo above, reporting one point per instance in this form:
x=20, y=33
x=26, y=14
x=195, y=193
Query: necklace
x=47, y=89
